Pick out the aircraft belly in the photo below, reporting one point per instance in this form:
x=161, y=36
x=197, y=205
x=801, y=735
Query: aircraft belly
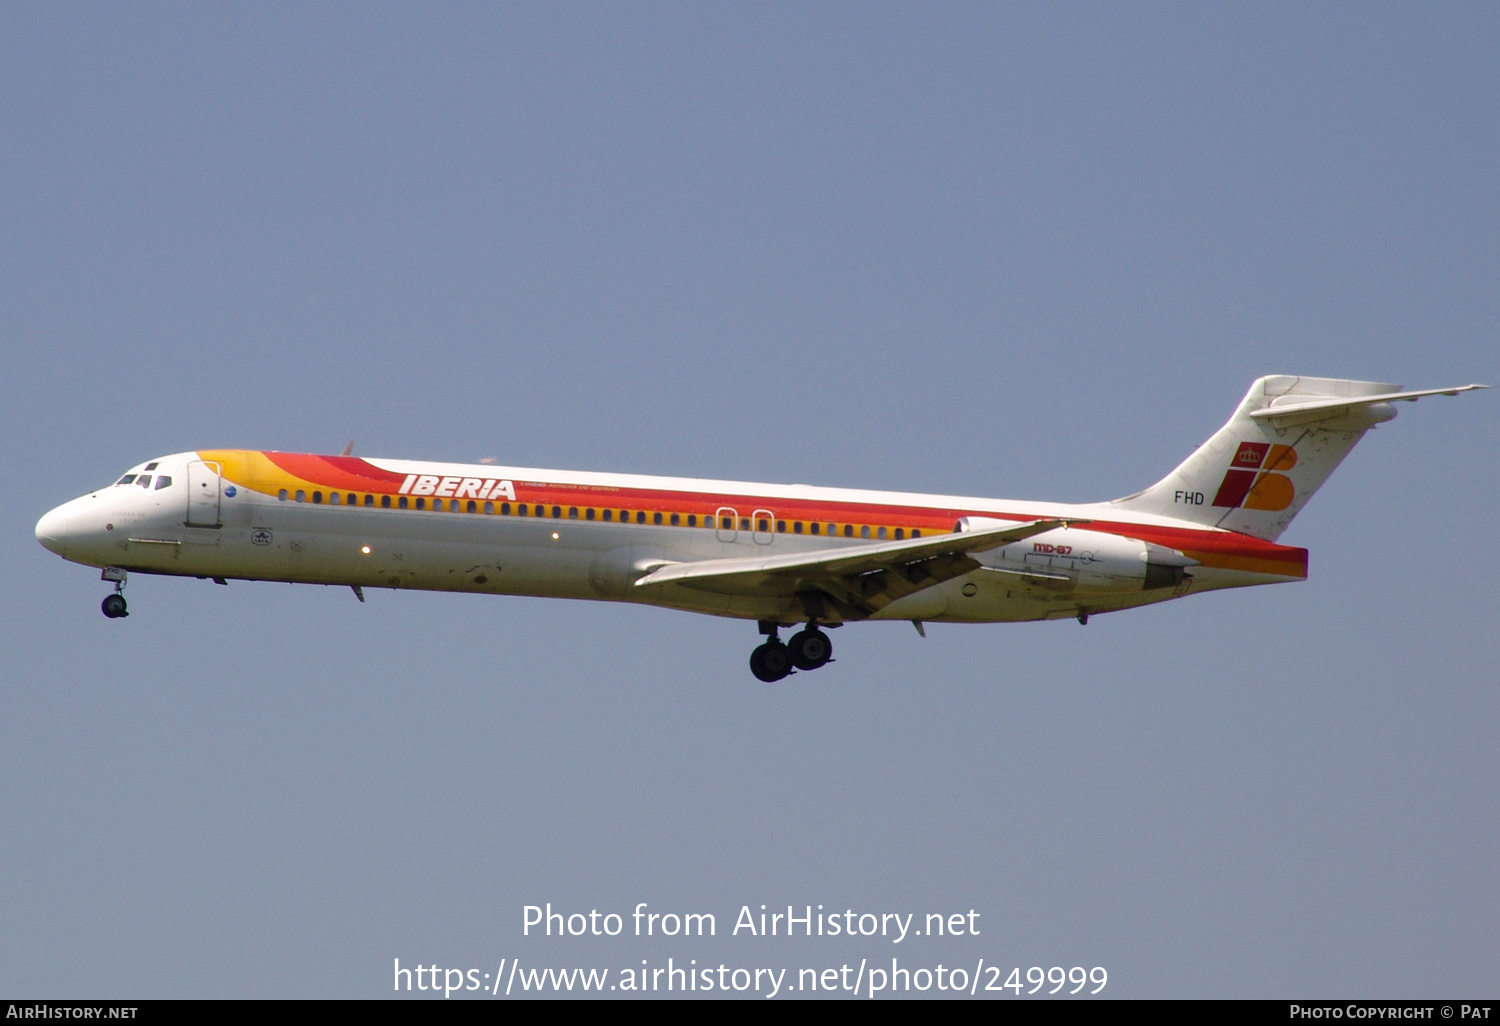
x=928, y=604
x=743, y=607
x=427, y=551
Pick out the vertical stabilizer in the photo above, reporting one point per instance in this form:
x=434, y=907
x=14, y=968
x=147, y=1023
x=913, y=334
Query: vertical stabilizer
x=1258, y=471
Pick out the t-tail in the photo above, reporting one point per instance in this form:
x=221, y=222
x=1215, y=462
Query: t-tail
x=1288, y=434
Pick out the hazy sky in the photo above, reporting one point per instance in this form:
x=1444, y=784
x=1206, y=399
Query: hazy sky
x=1033, y=251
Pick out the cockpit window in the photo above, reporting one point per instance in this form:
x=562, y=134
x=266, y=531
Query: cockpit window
x=144, y=480
x=151, y=466
x=163, y=481
x=126, y=479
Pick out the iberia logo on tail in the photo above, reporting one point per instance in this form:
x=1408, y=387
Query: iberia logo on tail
x=1251, y=480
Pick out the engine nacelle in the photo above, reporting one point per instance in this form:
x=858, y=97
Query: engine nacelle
x=1071, y=558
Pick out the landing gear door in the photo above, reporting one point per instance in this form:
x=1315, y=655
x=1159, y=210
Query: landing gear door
x=205, y=483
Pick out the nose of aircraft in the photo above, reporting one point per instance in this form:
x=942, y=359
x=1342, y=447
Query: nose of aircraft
x=52, y=530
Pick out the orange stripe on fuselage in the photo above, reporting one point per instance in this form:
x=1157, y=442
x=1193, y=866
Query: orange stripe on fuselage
x=1224, y=550
x=270, y=472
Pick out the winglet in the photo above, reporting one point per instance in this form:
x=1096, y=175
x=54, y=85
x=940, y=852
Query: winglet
x=348, y=449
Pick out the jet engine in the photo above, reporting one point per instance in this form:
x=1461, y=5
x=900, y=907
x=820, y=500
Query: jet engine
x=1072, y=558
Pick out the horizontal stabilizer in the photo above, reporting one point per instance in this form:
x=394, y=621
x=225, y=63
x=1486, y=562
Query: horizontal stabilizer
x=1299, y=411
x=857, y=580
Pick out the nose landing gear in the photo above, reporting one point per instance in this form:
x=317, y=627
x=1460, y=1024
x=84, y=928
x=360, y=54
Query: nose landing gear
x=808, y=649
x=113, y=606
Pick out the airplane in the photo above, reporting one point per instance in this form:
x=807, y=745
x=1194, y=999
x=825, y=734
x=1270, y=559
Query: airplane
x=784, y=556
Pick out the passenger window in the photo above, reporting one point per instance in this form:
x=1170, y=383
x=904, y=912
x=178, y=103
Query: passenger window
x=676, y=519
x=403, y=502
x=353, y=499
x=144, y=480
x=572, y=512
x=333, y=498
x=609, y=515
x=505, y=508
x=421, y=504
x=781, y=527
x=556, y=512
x=163, y=481
x=915, y=533
x=762, y=524
x=744, y=523
x=521, y=510
x=797, y=527
x=317, y=497
x=900, y=534
x=370, y=500
x=880, y=533
x=151, y=466
x=588, y=514
x=126, y=479
x=656, y=519
x=301, y=495
x=281, y=495
x=474, y=506
x=385, y=502
x=815, y=528
x=848, y=528
x=640, y=516
x=833, y=529
x=864, y=532
x=489, y=507
x=692, y=520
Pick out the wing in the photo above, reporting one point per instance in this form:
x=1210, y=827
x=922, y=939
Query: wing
x=856, y=581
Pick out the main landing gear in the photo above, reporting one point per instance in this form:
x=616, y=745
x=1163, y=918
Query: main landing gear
x=808, y=649
x=113, y=606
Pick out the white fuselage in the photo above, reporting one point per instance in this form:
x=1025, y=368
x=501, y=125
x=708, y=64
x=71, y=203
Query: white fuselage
x=205, y=523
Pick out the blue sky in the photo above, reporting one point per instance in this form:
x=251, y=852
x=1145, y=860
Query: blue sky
x=1033, y=252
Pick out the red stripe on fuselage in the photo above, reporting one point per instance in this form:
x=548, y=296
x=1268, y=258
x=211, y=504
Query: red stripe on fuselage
x=342, y=472
x=350, y=473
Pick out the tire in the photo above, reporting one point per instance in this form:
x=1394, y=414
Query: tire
x=770, y=662
x=113, y=606
x=810, y=649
